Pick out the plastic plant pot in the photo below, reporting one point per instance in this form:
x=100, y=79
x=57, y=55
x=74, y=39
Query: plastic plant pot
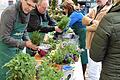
x=42, y=53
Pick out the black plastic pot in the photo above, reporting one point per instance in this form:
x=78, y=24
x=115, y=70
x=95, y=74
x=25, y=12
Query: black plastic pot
x=31, y=52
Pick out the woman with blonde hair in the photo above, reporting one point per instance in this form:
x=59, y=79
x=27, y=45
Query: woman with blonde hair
x=105, y=46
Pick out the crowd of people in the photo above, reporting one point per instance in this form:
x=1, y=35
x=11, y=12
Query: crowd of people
x=98, y=32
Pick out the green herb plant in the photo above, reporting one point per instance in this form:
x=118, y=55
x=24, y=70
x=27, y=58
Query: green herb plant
x=58, y=56
x=49, y=72
x=52, y=43
x=54, y=5
x=21, y=67
x=36, y=38
x=63, y=23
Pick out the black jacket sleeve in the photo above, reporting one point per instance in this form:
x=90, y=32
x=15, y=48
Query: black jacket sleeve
x=46, y=29
x=51, y=22
x=35, y=20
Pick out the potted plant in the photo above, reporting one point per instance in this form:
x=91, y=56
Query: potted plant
x=71, y=53
x=21, y=67
x=57, y=56
x=52, y=43
x=63, y=23
x=36, y=38
x=64, y=54
x=54, y=5
x=49, y=72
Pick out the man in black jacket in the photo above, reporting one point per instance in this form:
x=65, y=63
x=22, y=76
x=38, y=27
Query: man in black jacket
x=40, y=20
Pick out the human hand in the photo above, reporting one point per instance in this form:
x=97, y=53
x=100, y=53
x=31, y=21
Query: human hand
x=86, y=20
x=57, y=29
x=95, y=22
x=30, y=45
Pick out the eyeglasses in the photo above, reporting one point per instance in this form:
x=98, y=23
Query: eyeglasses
x=33, y=6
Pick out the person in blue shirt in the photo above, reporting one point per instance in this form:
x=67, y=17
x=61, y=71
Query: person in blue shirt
x=79, y=29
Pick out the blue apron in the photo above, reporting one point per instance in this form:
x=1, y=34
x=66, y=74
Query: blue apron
x=7, y=52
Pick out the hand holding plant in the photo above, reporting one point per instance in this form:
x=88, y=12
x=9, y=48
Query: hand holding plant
x=57, y=29
x=63, y=23
x=30, y=45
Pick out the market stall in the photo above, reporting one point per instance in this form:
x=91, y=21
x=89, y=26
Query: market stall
x=56, y=59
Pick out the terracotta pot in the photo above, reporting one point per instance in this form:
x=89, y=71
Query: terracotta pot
x=58, y=66
x=37, y=57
